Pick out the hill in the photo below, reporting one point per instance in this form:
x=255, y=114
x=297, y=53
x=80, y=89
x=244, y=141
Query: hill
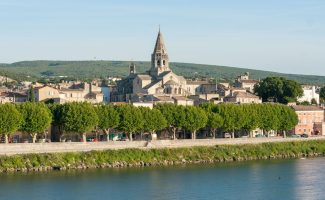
x=92, y=69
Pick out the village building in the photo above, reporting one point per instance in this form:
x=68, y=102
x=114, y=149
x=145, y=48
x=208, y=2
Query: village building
x=310, y=120
x=243, y=81
x=159, y=82
x=310, y=93
x=82, y=92
x=12, y=97
x=241, y=97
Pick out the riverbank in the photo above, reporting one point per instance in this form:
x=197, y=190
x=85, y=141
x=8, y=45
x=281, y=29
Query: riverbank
x=161, y=156
x=62, y=147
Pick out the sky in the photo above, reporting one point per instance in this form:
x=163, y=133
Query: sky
x=279, y=35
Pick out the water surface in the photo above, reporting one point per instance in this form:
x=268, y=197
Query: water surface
x=289, y=179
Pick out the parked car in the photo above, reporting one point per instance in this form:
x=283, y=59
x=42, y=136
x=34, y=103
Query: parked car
x=259, y=135
x=295, y=136
x=227, y=135
x=304, y=135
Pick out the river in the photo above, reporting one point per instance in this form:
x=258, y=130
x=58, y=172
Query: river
x=277, y=179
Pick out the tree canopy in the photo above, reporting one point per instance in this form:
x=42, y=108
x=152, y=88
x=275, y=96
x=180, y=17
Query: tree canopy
x=278, y=89
x=108, y=117
x=78, y=118
x=36, y=118
x=195, y=118
x=153, y=120
x=10, y=120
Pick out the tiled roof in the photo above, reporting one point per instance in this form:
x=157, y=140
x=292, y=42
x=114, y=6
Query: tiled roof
x=306, y=108
x=144, y=76
x=196, y=82
x=243, y=95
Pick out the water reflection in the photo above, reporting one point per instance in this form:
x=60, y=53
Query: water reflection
x=290, y=179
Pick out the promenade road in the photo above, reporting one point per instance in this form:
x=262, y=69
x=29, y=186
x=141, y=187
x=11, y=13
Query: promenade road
x=57, y=147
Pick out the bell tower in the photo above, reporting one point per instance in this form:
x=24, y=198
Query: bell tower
x=159, y=57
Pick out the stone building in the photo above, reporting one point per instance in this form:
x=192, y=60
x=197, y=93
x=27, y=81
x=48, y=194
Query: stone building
x=309, y=94
x=243, y=81
x=82, y=92
x=310, y=120
x=159, y=82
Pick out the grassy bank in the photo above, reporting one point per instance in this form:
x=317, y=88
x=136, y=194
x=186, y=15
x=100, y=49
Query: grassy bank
x=158, y=157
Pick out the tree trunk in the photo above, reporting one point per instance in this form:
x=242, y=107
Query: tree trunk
x=84, y=137
x=214, y=133
x=130, y=137
x=6, y=139
x=174, y=133
x=284, y=134
x=268, y=134
x=34, y=137
x=107, y=134
x=193, y=135
x=233, y=134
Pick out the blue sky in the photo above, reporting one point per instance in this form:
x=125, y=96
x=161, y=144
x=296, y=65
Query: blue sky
x=278, y=35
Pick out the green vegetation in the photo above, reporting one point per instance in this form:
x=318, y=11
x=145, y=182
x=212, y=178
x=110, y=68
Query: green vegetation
x=278, y=89
x=10, y=120
x=108, y=118
x=34, y=70
x=36, y=118
x=81, y=118
x=322, y=94
x=78, y=118
x=173, y=156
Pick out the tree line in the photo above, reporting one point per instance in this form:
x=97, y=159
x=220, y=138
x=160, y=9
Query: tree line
x=35, y=118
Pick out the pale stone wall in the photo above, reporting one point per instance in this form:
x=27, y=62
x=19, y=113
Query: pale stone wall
x=26, y=148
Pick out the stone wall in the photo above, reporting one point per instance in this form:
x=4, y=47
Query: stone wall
x=26, y=148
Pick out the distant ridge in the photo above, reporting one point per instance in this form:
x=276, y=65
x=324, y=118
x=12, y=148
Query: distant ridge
x=93, y=69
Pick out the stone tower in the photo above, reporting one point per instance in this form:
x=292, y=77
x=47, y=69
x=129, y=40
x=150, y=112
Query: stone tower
x=132, y=68
x=159, y=57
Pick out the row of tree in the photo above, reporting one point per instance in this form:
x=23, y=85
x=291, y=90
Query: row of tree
x=35, y=118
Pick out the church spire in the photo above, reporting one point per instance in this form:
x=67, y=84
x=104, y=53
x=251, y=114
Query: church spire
x=159, y=57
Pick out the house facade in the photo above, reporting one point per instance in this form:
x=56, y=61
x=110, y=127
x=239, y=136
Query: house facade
x=310, y=120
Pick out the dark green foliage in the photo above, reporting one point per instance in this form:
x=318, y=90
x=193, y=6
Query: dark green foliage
x=92, y=69
x=322, y=94
x=278, y=89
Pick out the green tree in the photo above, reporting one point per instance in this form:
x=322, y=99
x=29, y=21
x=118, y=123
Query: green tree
x=232, y=115
x=278, y=89
x=31, y=95
x=322, y=94
x=108, y=118
x=215, y=121
x=313, y=101
x=288, y=119
x=195, y=118
x=36, y=118
x=79, y=118
x=252, y=119
x=153, y=120
x=174, y=115
x=269, y=116
x=10, y=120
x=131, y=119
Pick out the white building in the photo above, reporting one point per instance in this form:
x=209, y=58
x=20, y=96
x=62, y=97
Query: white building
x=309, y=94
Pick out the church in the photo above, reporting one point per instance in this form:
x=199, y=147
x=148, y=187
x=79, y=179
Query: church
x=159, y=83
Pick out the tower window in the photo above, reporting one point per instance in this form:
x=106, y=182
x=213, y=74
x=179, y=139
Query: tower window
x=164, y=62
x=158, y=62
